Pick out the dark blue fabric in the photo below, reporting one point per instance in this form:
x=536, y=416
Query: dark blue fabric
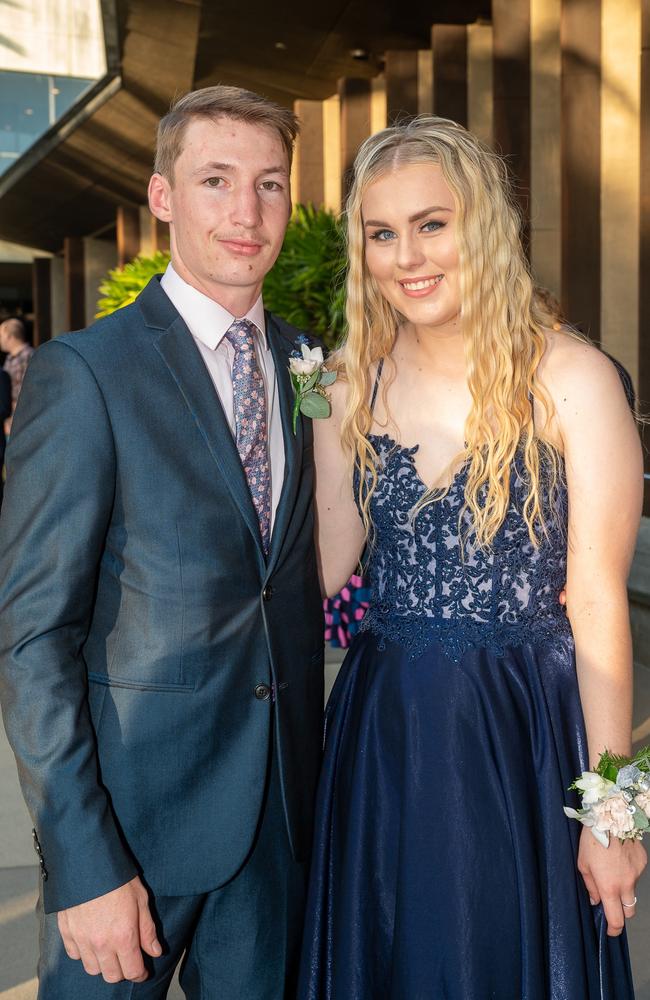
x=444, y=867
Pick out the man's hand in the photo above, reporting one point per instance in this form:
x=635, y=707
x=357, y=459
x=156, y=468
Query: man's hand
x=108, y=934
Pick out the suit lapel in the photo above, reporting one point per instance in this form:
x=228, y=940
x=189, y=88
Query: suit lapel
x=281, y=350
x=176, y=346
x=183, y=358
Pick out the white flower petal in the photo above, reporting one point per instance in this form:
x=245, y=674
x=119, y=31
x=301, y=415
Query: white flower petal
x=601, y=837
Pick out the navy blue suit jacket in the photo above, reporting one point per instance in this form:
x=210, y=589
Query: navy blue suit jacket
x=138, y=613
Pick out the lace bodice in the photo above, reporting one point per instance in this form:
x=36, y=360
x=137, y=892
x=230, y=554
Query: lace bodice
x=426, y=588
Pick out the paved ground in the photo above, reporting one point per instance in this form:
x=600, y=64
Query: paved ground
x=18, y=876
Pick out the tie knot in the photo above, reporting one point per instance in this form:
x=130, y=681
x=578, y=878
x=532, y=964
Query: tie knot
x=241, y=335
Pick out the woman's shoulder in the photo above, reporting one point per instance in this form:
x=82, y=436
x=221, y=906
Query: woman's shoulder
x=572, y=367
x=584, y=386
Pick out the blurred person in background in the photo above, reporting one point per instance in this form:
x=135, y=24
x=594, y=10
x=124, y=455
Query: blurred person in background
x=14, y=341
x=5, y=413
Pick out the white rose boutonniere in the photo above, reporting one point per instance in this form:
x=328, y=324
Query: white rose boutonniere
x=309, y=378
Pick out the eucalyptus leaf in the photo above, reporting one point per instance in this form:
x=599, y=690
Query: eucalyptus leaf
x=328, y=378
x=641, y=821
x=315, y=406
x=310, y=382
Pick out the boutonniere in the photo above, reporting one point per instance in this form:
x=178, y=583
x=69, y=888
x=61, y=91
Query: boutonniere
x=309, y=378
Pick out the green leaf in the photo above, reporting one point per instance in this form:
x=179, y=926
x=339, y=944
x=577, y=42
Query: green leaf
x=311, y=381
x=123, y=284
x=641, y=821
x=306, y=285
x=315, y=406
x=328, y=378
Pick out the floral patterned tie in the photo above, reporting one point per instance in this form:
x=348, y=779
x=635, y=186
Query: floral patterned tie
x=249, y=403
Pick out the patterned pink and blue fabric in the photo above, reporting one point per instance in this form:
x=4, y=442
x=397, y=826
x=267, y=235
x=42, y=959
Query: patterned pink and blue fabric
x=249, y=402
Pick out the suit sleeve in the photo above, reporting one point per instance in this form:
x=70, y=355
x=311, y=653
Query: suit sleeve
x=55, y=515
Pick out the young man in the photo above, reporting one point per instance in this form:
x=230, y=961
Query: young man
x=160, y=616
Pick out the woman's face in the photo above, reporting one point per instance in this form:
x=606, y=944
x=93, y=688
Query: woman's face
x=409, y=219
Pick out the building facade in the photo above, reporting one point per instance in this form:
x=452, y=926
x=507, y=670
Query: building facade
x=560, y=87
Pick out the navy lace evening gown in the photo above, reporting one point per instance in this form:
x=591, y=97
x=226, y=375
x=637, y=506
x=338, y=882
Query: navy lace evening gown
x=444, y=867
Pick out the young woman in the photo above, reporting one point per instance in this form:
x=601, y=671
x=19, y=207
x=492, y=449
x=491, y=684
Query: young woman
x=483, y=460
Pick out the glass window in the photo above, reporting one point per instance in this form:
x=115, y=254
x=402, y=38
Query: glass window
x=29, y=104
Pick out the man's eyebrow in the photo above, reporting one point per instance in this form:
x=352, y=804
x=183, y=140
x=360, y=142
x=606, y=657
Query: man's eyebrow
x=225, y=167
x=213, y=166
x=412, y=218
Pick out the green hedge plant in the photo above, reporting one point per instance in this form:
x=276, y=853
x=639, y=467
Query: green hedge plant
x=306, y=286
x=122, y=285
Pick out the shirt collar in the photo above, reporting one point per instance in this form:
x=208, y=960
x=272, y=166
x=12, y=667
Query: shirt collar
x=205, y=318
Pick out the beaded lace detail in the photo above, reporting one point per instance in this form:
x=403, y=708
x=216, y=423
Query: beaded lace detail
x=427, y=588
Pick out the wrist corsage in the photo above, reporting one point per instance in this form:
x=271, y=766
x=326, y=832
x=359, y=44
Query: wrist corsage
x=615, y=797
x=309, y=378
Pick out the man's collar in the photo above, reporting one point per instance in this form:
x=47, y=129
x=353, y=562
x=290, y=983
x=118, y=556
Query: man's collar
x=206, y=319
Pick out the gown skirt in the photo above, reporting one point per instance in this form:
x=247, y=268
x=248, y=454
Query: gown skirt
x=444, y=867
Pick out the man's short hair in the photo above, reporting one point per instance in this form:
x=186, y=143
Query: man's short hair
x=15, y=328
x=214, y=103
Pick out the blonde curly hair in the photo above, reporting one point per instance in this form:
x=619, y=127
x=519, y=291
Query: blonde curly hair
x=502, y=327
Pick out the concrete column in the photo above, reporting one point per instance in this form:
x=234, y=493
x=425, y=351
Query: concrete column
x=581, y=130
x=401, y=85
x=147, y=229
x=449, y=47
x=332, y=153
x=378, y=104
x=161, y=230
x=58, y=296
x=128, y=233
x=480, y=83
x=100, y=256
x=545, y=145
x=620, y=180
x=511, y=39
x=355, y=122
x=74, y=282
x=426, y=98
x=42, y=299
x=308, y=183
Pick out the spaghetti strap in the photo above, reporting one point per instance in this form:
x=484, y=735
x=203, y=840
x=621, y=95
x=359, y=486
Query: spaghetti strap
x=376, y=385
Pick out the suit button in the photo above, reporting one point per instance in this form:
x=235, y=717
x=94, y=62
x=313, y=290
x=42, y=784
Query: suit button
x=37, y=846
x=262, y=692
x=267, y=593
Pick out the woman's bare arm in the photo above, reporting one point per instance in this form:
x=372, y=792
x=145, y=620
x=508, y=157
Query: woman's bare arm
x=605, y=482
x=339, y=529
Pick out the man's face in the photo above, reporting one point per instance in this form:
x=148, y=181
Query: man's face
x=228, y=208
x=3, y=337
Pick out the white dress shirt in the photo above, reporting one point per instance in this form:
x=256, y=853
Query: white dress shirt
x=208, y=322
